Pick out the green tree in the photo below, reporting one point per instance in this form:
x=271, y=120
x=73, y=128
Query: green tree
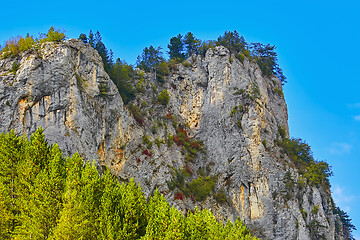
x=133, y=211
x=318, y=173
x=26, y=43
x=164, y=97
x=83, y=38
x=11, y=148
x=236, y=230
x=176, y=48
x=77, y=218
x=164, y=222
x=232, y=41
x=266, y=58
x=150, y=58
x=191, y=44
x=202, y=225
x=110, y=212
x=41, y=207
x=53, y=36
x=91, y=39
x=122, y=75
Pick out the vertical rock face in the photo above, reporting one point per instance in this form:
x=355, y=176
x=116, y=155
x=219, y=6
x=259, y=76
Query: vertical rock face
x=227, y=104
x=61, y=88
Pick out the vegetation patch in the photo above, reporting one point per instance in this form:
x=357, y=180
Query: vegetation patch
x=279, y=92
x=14, y=67
x=16, y=45
x=163, y=97
x=198, y=189
x=103, y=90
x=315, y=172
x=192, y=147
x=46, y=196
x=138, y=115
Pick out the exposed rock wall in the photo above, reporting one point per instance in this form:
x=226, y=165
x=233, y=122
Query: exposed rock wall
x=227, y=104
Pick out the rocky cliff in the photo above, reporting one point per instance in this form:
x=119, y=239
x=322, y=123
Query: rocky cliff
x=220, y=127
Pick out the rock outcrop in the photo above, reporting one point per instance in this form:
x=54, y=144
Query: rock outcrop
x=218, y=102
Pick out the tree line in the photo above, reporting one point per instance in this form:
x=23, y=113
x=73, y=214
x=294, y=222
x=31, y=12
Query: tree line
x=180, y=47
x=44, y=195
x=152, y=58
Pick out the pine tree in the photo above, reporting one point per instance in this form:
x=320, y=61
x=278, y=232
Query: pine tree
x=232, y=41
x=191, y=44
x=133, y=211
x=11, y=148
x=40, y=188
x=91, y=39
x=202, y=225
x=110, y=215
x=176, y=48
x=83, y=37
x=164, y=222
x=73, y=219
x=236, y=230
x=150, y=58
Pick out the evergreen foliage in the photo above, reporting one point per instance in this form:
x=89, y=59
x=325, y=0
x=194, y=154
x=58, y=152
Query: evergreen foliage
x=123, y=76
x=232, y=41
x=46, y=196
x=344, y=218
x=150, y=58
x=266, y=58
x=191, y=44
x=317, y=173
x=164, y=97
x=176, y=48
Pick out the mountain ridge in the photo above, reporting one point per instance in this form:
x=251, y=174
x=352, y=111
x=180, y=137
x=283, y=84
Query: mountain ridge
x=229, y=105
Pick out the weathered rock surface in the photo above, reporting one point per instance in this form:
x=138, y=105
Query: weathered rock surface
x=227, y=104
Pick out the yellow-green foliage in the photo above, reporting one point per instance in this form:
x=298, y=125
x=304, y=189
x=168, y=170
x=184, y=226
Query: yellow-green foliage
x=279, y=92
x=46, y=196
x=18, y=44
x=146, y=140
x=316, y=172
x=241, y=57
x=103, y=90
x=164, y=97
x=53, y=36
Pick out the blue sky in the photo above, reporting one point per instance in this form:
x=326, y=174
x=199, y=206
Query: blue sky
x=317, y=44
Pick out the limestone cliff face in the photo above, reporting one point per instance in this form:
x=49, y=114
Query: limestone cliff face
x=227, y=104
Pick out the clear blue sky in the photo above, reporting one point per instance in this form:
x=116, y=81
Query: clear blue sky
x=317, y=44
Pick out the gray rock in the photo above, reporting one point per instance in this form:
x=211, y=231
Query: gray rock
x=61, y=88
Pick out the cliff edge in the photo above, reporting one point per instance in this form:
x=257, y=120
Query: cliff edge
x=216, y=143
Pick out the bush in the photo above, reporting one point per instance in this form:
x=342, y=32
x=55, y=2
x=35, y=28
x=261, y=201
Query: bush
x=178, y=179
x=103, y=90
x=162, y=72
x=53, y=36
x=241, y=57
x=15, y=66
x=186, y=64
x=164, y=97
x=264, y=143
x=200, y=188
x=221, y=197
x=146, y=140
x=279, y=92
x=282, y=131
x=137, y=113
x=19, y=44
